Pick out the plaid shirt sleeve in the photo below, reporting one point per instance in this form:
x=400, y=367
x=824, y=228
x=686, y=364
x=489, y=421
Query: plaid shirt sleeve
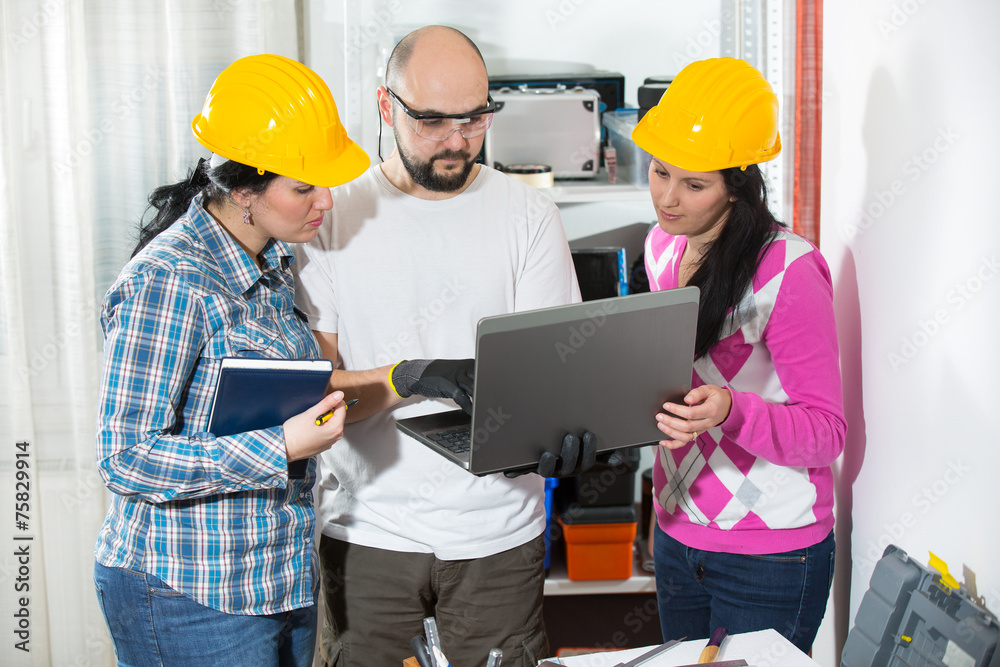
x=154, y=331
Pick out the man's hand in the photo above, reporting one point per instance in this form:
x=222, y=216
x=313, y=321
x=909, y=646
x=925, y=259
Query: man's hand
x=578, y=455
x=436, y=378
x=624, y=460
x=575, y=456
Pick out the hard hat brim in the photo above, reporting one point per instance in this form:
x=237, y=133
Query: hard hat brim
x=351, y=163
x=693, y=160
x=346, y=167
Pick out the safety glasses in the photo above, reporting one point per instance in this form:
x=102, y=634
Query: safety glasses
x=438, y=127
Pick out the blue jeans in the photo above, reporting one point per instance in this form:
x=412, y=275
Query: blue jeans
x=151, y=625
x=697, y=591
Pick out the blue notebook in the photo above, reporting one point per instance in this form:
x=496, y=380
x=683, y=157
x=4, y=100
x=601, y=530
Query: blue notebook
x=260, y=393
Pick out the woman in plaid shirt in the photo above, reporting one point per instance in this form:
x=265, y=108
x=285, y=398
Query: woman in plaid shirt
x=206, y=555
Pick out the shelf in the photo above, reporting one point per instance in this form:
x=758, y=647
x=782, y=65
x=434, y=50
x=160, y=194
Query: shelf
x=597, y=189
x=639, y=582
x=558, y=583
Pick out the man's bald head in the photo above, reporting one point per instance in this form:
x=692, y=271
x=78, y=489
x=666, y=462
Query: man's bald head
x=434, y=71
x=441, y=40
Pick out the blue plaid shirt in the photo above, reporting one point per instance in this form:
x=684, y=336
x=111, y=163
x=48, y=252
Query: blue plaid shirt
x=217, y=519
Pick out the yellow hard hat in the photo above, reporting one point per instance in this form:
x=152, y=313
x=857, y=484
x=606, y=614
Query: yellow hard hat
x=717, y=113
x=276, y=114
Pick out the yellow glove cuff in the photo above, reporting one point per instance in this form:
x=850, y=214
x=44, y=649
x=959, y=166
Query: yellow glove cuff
x=391, y=383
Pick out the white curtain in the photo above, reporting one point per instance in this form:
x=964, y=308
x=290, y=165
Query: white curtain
x=96, y=101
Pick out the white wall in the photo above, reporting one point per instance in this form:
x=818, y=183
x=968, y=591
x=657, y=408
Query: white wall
x=910, y=229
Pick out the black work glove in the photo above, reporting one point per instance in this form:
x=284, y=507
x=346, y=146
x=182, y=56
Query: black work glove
x=577, y=455
x=436, y=378
x=623, y=460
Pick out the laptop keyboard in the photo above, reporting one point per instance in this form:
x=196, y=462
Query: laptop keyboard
x=456, y=440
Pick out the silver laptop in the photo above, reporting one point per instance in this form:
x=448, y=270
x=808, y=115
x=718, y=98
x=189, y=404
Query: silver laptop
x=604, y=366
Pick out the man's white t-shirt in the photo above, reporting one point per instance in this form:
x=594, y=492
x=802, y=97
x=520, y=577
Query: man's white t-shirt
x=397, y=277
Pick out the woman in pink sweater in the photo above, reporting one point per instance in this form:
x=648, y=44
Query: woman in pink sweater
x=742, y=481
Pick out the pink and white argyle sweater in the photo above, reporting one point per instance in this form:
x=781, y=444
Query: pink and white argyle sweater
x=760, y=482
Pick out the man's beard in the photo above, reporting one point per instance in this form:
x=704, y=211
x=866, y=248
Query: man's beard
x=424, y=175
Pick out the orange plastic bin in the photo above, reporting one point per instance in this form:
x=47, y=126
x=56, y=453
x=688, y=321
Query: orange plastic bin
x=599, y=542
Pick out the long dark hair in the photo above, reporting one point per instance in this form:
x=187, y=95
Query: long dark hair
x=727, y=267
x=167, y=203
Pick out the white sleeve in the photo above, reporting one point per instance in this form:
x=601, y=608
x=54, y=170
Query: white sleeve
x=314, y=287
x=547, y=277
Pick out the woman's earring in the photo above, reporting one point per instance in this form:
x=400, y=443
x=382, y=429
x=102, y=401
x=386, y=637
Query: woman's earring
x=247, y=220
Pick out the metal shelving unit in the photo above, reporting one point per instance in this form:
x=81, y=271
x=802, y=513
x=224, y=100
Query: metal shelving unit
x=595, y=189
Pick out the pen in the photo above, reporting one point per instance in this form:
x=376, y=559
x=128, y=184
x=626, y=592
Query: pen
x=712, y=648
x=325, y=417
x=494, y=659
